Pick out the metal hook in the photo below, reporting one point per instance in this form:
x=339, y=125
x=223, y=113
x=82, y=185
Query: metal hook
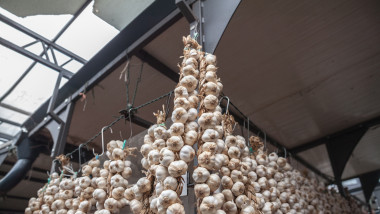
x=93, y=150
x=79, y=156
x=285, y=151
x=228, y=102
x=130, y=122
x=248, y=128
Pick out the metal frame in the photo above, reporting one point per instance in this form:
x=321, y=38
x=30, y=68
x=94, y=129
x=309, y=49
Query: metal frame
x=48, y=45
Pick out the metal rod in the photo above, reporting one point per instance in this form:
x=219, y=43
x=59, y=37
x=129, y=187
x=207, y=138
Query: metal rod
x=10, y=122
x=45, y=51
x=39, y=59
x=36, y=36
x=13, y=108
x=75, y=16
x=29, y=44
x=65, y=63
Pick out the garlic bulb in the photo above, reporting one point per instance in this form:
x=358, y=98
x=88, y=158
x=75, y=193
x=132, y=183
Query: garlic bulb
x=159, y=144
x=176, y=209
x=226, y=182
x=129, y=194
x=118, y=181
x=207, y=120
x=209, y=205
x=154, y=157
x=189, y=70
x=231, y=141
x=213, y=182
x=228, y=196
x=200, y=175
x=191, y=126
x=192, y=114
x=187, y=153
x=191, y=137
x=210, y=147
x=189, y=82
x=177, y=129
x=234, y=152
x=211, y=88
x=206, y=160
x=136, y=206
x=144, y=185
x=117, y=154
x=242, y=201
x=170, y=183
x=161, y=173
x=167, y=198
x=180, y=91
x=238, y=188
x=181, y=103
x=175, y=143
x=160, y=132
x=177, y=168
x=201, y=190
x=210, y=135
x=167, y=157
x=230, y=207
x=145, y=149
x=210, y=102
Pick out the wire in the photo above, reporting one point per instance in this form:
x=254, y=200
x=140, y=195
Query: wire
x=137, y=83
x=118, y=119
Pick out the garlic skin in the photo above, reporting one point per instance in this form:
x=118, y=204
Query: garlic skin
x=145, y=149
x=206, y=160
x=154, y=157
x=160, y=132
x=181, y=102
x=175, y=143
x=189, y=82
x=129, y=194
x=213, y=182
x=209, y=205
x=207, y=121
x=230, y=207
x=187, y=153
x=177, y=168
x=191, y=137
x=177, y=129
x=191, y=126
x=238, y=188
x=136, y=206
x=210, y=147
x=176, y=209
x=201, y=190
x=180, y=91
x=226, y=182
x=167, y=198
x=161, y=173
x=210, y=135
x=144, y=185
x=210, y=102
x=167, y=157
x=200, y=175
x=234, y=152
x=170, y=183
x=118, y=181
x=192, y=114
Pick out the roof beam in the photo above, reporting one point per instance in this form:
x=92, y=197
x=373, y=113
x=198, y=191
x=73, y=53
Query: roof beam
x=9, y=121
x=323, y=140
x=38, y=37
x=13, y=108
x=35, y=57
x=157, y=65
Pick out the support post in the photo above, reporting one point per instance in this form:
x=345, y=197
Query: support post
x=340, y=150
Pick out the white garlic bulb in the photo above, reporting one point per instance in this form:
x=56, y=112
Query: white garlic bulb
x=213, y=182
x=238, y=188
x=209, y=205
x=180, y=91
x=191, y=126
x=210, y=59
x=187, y=153
x=226, y=182
x=206, y=160
x=167, y=157
x=210, y=147
x=189, y=70
x=192, y=114
x=145, y=149
x=189, y=82
x=127, y=172
x=177, y=129
x=144, y=185
x=210, y=102
x=177, y=168
x=159, y=144
x=116, y=166
x=167, y=198
x=136, y=206
x=118, y=181
x=170, y=183
x=211, y=76
x=176, y=209
x=210, y=135
x=160, y=132
x=201, y=190
x=181, y=102
x=129, y=194
x=200, y=175
x=191, y=137
x=175, y=143
x=211, y=88
x=161, y=173
x=154, y=157
x=234, y=152
x=193, y=100
x=242, y=201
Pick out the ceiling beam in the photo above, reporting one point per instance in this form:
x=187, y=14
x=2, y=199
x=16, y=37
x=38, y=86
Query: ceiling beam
x=323, y=140
x=9, y=122
x=13, y=108
x=157, y=65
